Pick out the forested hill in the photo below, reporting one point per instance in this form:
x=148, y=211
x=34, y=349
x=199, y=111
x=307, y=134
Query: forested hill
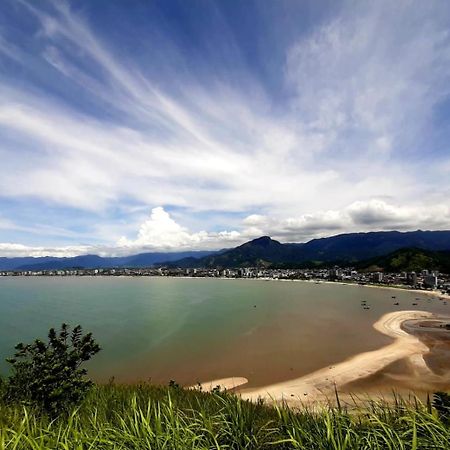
x=349, y=248
x=409, y=260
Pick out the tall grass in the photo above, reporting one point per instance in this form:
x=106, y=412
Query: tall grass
x=155, y=417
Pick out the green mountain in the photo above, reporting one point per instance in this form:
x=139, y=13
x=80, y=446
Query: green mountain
x=261, y=252
x=409, y=260
x=348, y=249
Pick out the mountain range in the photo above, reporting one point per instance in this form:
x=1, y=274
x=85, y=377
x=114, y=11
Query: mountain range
x=351, y=248
x=341, y=249
x=96, y=262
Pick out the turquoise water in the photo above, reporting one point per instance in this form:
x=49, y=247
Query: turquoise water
x=194, y=330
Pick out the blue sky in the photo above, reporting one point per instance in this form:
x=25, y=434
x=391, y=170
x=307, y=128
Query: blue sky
x=167, y=125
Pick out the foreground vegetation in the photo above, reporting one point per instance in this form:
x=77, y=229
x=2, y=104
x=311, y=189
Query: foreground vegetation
x=47, y=402
x=155, y=417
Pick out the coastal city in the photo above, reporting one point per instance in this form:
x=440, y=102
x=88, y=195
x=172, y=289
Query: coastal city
x=424, y=280
x=224, y=224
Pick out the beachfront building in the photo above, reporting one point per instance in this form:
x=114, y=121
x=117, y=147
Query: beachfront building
x=377, y=277
x=411, y=278
x=430, y=281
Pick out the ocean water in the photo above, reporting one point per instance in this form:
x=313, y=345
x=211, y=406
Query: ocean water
x=193, y=330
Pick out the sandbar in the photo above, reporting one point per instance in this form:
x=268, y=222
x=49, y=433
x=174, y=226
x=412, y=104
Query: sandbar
x=222, y=383
x=322, y=384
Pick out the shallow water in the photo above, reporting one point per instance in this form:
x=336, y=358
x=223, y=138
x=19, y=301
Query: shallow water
x=194, y=330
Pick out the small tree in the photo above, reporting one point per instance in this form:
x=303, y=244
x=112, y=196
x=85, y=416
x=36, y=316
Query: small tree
x=49, y=375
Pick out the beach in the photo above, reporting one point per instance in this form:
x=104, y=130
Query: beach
x=322, y=385
x=226, y=384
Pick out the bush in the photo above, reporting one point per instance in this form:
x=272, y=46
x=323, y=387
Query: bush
x=49, y=375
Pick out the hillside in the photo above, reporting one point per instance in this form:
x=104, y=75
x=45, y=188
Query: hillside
x=360, y=246
x=409, y=260
x=263, y=251
x=349, y=248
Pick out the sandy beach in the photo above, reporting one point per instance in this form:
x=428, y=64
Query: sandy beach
x=222, y=383
x=320, y=385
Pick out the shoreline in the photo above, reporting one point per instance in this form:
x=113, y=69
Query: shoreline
x=321, y=386
x=434, y=293
x=227, y=384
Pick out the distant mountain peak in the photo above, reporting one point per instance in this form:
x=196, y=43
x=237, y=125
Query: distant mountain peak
x=263, y=241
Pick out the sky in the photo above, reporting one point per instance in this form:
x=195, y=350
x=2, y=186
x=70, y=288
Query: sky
x=173, y=125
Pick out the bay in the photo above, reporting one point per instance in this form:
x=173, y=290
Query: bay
x=193, y=330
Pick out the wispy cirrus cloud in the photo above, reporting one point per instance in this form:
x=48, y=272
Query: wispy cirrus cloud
x=352, y=121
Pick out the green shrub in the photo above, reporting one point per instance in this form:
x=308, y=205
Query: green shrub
x=49, y=375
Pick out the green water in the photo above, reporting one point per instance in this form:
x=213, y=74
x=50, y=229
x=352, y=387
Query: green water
x=194, y=330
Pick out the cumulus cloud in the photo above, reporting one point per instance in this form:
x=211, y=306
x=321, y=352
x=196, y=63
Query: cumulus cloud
x=161, y=232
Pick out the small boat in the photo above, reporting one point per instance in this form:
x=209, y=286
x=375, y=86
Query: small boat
x=396, y=303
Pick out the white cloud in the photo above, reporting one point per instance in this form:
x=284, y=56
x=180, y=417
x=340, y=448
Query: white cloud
x=11, y=250
x=372, y=71
x=373, y=215
x=377, y=213
x=10, y=50
x=161, y=232
x=362, y=91
x=216, y=142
